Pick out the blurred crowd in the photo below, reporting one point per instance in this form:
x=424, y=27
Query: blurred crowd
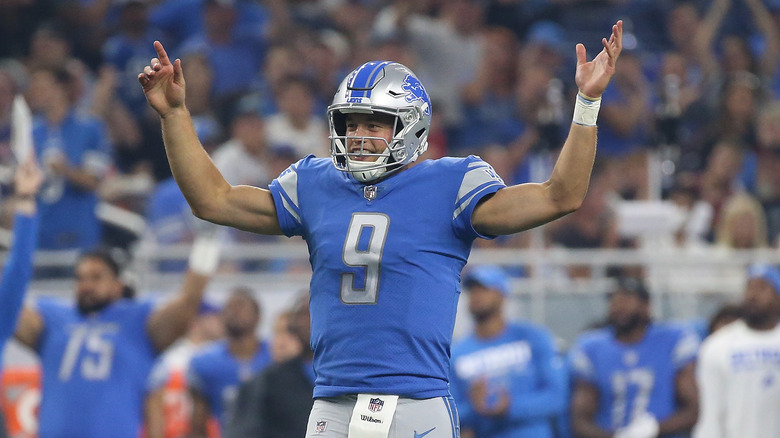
x=693, y=117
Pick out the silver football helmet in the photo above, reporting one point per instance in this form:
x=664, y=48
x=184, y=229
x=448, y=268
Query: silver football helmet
x=380, y=87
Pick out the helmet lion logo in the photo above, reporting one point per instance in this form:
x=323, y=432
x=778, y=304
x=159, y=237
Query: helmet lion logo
x=416, y=92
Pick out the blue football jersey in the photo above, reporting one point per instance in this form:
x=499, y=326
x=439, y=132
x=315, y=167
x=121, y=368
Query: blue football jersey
x=522, y=362
x=94, y=369
x=386, y=262
x=633, y=378
x=217, y=374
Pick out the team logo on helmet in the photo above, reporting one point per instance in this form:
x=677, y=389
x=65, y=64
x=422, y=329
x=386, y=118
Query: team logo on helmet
x=415, y=92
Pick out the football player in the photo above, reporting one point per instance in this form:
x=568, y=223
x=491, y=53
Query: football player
x=387, y=235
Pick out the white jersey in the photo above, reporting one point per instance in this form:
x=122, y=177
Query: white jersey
x=739, y=383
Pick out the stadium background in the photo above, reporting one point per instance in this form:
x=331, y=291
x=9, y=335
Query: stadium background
x=657, y=206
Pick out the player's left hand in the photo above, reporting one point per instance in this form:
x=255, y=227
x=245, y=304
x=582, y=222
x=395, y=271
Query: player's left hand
x=28, y=178
x=644, y=426
x=593, y=77
x=479, y=400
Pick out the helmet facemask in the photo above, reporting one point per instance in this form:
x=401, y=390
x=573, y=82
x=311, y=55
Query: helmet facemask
x=403, y=148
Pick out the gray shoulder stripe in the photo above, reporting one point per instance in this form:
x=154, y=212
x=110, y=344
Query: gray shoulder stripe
x=289, y=182
x=290, y=209
x=475, y=178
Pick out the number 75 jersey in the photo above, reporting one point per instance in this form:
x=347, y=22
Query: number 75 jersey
x=386, y=262
x=95, y=369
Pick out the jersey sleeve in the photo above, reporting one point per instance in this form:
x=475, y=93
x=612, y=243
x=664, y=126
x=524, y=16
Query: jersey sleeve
x=479, y=180
x=196, y=373
x=685, y=349
x=17, y=273
x=581, y=364
x=285, y=192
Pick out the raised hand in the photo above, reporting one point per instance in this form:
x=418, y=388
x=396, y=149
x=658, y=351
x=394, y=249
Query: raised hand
x=28, y=178
x=163, y=82
x=592, y=77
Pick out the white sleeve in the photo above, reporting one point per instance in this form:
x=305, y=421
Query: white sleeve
x=710, y=379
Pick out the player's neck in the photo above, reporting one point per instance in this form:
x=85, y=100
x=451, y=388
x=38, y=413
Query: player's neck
x=633, y=335
x=243, y=347
x=764, y=324
x=490, y=327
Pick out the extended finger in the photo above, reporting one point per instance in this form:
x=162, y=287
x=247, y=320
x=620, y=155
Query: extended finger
x=581, y=54
x=161, y=53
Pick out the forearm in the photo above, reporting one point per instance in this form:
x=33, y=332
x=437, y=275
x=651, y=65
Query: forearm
x=544, y=403
x=682, y=421
x=570, y=177
x=82, y=179
x=198, y=178
x=171, y=322
x=17, y=271
x=589, y=429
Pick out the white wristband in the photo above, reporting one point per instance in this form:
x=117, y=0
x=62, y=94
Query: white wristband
x=204, y=255
x=586, y=110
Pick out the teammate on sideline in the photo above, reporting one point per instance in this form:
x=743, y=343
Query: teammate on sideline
x=387, y=236
x=18, y=267
x=96, y=354
x=634, y=378
x=507, y=377
x=739, y=366
x=216, y=372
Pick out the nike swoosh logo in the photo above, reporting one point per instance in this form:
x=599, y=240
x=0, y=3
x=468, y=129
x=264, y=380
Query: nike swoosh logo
x=421, y=435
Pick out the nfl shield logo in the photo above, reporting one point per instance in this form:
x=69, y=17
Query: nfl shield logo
x=376, y=404
x=320, y=427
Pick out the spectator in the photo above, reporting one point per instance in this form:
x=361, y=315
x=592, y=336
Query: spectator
x=489, y=100
x=216, y=372
x=235, y=55
x=507, y=378
x=724, y=316
x=742, y=224
x=96, y=354
x=168, y=406
x=285, y=344
x=276, y=403
x=635, y=377
x=766, y=186
x=737, y=373
x=295, y=125
x=18, y=267
x=75, y=153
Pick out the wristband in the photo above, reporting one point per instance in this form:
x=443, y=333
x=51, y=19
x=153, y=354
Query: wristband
x=204, y=256
x=586, y=110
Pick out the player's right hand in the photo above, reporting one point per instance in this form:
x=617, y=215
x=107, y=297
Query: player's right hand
x=163, y=82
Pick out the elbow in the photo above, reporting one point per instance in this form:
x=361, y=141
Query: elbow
x=568, y=205
x=204, y=213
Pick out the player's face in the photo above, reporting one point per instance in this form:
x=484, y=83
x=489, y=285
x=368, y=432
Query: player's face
x=240, y=316
x=368, y=125
x=627, y=311
x=484, y=302
x=760, y=302
x=96, y=285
